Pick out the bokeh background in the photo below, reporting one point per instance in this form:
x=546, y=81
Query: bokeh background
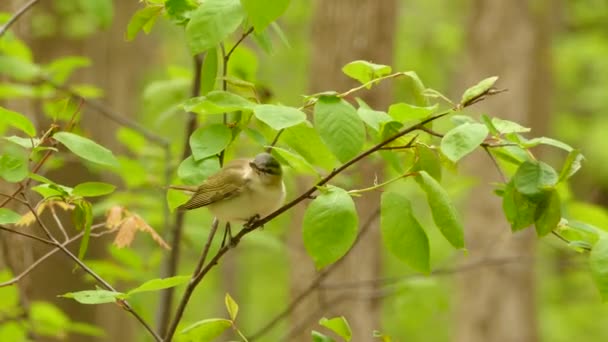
x=549, y=54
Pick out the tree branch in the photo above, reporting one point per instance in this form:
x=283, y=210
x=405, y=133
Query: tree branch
x=163, y=313
x=16, y=16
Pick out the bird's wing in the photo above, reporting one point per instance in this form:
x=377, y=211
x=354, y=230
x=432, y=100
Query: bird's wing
x=218, y=187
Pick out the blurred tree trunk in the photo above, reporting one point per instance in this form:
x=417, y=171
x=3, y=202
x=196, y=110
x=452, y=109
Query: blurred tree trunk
x=343, y=31
x=510, y=39
x=117, y=67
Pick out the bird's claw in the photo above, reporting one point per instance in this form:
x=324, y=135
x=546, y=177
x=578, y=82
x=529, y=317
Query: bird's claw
x=252, y=221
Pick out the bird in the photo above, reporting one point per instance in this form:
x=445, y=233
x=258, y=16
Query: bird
x=243, y=191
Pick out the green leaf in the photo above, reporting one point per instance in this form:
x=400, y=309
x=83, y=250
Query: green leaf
x=279, y=117
x=179, y=10
x=506, y=126
x=478, y=90
x=175, y=198
x=548, y=213
x=401, y=232
x=87, y=149
x=23, y=142
x=571, y=165
x=18, y=69
x=295, y=161
x=159, y=284
x=519, y=210
x=442, y=209
x=231, y=306
x=547, y=141
x=318, y=337
x=339, y=325
x=373, y=118
x=211, y=23
x=416, y=89
x=263, y=12
x=427, y=160
x=8, y=216
x=403, y=112
x=364, y=71
x=339, y=126
x=53, y=190
x=218, y=102
x=598, y=263
x=93, y=189
x=306, y=141
x=329, y=226
x=93, y=296
x=13, y=165
x=142, y=19
x=18, y=121
x=194, y=172
x=209, y=140
x=532, y=178
x=207, y=329
x=463, y=140
x=209, y=71
x=83, y=219
x=61, y=69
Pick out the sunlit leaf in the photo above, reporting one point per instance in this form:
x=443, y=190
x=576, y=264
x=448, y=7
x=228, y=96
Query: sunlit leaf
x=209, y=140
x=93, y=189
x=403, y=112
x=477, y=90
x=18, y=121
x=159, y=284
x=462, y=140
x=8, y=216
x=339, y=325
x=571, y=165
x=143, y=19
x=279, y=117
x=207, y=329
x=364, y=71
x=93, y=296
x=506, y=126
x=193, y=172
x=231, y=306
x=218, y=102
x=211, y=23
x=87, y=149
x=263, y=12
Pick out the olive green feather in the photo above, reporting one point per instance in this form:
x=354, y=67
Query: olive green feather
x=218, y=187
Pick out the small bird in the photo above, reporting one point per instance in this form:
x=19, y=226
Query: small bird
x=243, y=191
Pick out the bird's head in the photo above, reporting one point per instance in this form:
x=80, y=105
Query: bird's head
x=266, y=164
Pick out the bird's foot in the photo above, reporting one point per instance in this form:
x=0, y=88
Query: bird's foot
x=252, y=221
x=228, y=237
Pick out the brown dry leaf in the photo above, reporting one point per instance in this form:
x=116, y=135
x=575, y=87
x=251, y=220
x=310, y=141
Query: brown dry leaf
x=126, y=233
x=29, y=217
x=114, y=217
x=144, y=227
x=61, y=204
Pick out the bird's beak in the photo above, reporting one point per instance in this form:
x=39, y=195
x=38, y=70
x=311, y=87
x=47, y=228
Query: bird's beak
x=253, y=166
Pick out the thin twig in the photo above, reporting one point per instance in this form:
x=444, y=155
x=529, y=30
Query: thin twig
x=238, y=42
x=34, y=237
x=59, y=224
x=125, y=305
x=16, y=16
x=495, y=162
